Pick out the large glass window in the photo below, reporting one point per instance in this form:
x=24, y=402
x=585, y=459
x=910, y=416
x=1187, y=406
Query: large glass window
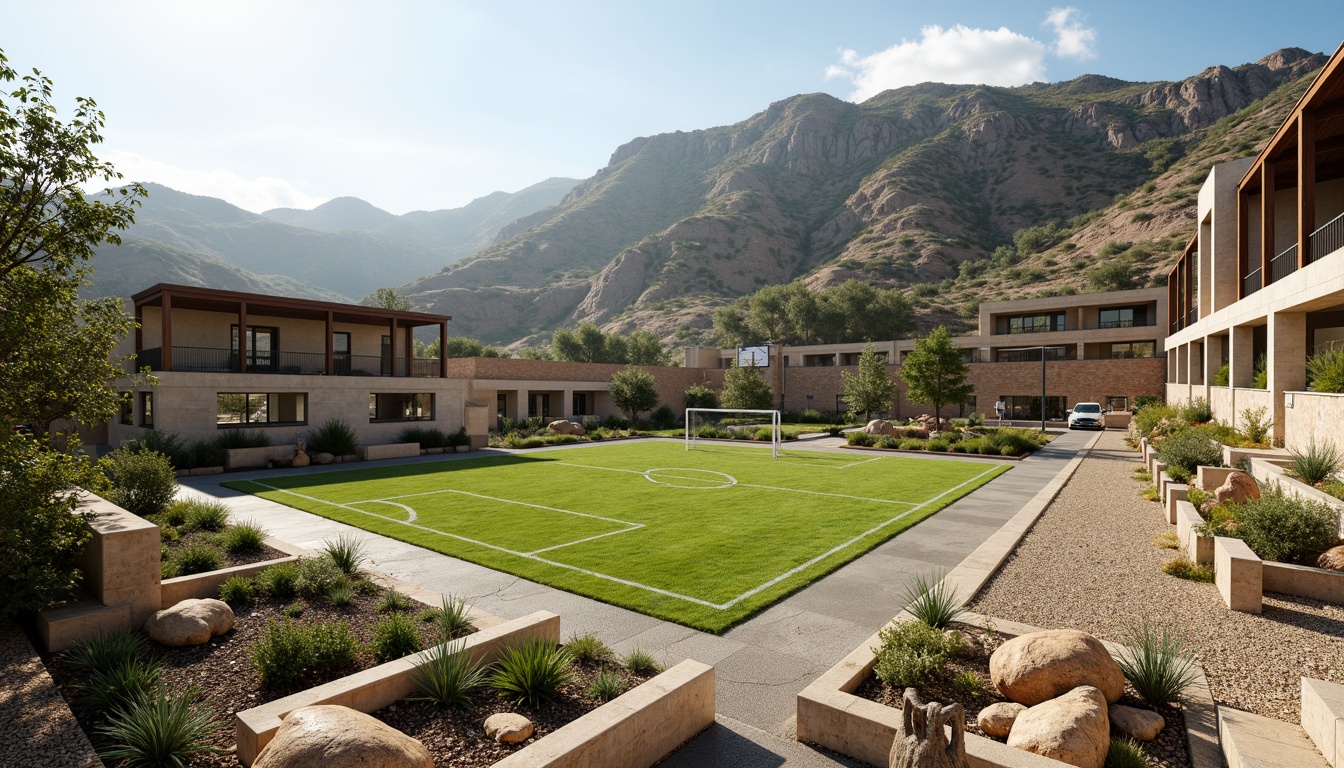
x=401, y=406
x=1028, y=407
x=237, y=409
x=1117, y=318
x=263, y=344
x=340, y=352
x=1131, y=349
x=147, y=410
x=1036, y=323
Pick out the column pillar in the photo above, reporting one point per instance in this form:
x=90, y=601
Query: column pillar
x=1286, y=366
x=1240, y=358
x=167, y=323
x=1183, y=364
x=242, y=337
x=566, y=409
x=1244, y=267
x=521, y=405
x=1082, y=351
x=1306, y=185
x=443, y=349
x=1213, y=355
x=1266, y=219
x=331, y=344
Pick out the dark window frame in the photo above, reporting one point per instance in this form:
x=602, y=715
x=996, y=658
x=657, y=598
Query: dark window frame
x=245, y=423
x=375, y=418
x=146, y=409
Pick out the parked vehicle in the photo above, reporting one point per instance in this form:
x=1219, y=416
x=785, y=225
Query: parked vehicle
x=1087, y=416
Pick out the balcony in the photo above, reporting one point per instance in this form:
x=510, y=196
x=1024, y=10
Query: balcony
x=1327, y=239
x=213, y=360
x=1283, y=265
x=1250, y=283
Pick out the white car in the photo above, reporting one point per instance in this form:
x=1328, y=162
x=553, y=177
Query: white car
x=1087, y=416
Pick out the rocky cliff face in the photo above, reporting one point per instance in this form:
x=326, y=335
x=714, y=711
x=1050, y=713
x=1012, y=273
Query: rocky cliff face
x=899, y=190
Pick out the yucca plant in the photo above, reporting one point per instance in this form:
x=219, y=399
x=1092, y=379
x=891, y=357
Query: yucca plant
x=588, y=648
x=107, y=650
x=606, y=686
x=243, y=538
x=933, y=600
x=1316, y=463
x=348, y=552
x=449, y=676
x=335, y=436
x=642, y=663
x=1158, y=662
x=159, y=730
x=121, y=685
x=531, y=672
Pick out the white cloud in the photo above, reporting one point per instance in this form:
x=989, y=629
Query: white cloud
x=955, y=55
x=1072, y=39
x=256, y=195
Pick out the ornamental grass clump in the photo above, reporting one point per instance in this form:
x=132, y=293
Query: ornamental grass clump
x=933, y=601
x=394, y=602
x=348, y=552
x=588, y=648
x=453, y=619
x=205, y=514
x=236, y=591
x=162, y=729
x=335, y=436
x=200, y=557
x=243, y=538
x=642, y=663
x=606, y=686
x=912, y=651
x=1316, y=463
x=449, y=676
x=531, y=672
x=1158, y=662
x=105, y=651
x=1124, y=752
x=279, y=581
x=121, y=685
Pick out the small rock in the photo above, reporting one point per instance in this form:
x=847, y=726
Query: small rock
x=324, y=458
x=1073, y=728
x=508, y=728
x=997, y=719
x=1039, y=666
x=1332, y=559
x=1142, y=724
x=190, y=622
x=339, y=737
x=1238, y=488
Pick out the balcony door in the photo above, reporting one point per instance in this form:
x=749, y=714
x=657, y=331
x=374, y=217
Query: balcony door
x=340, y=346
x=263, y=347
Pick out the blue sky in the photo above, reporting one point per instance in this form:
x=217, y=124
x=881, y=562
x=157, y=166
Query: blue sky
x=428, y=105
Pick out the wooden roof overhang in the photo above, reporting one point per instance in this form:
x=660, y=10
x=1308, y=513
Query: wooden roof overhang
x=214, y=300
x=1319, y=116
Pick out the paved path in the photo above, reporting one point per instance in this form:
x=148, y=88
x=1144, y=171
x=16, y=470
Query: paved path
x=760, y=665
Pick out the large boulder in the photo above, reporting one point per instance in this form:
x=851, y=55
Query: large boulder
x=1039, y=666
x=508, y=728
x=324, y=458
x=1332, y=559
x=1073, y=728
x=566, y=427
x=1142, y=724
x=1238, y=488
x=190, y=622
x=997, y=719
x=881, y=427
x=339, y=737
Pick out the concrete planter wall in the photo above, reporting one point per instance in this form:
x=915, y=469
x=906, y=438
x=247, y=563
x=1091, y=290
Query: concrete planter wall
x=1243, y=578
x=387, y=451
x=1270, y=472
x=202, y=585
x=253, y=458
x=1188, y=519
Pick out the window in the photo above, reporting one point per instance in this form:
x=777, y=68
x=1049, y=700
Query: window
x=263, y=346
x=1130, y=349
x=239, y=409
x=1028, y=407
x=580, y=404
x=1117, y=403
x=1122, y=317
x=539, y=404
x=1035, y=323
x=340, y=352
x=401, y=406
x=147, y=410
x=127, y=408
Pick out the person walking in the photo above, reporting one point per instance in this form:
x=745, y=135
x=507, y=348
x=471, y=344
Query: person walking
x=999, y=408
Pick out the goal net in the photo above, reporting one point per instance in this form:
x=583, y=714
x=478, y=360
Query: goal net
x=730, y=424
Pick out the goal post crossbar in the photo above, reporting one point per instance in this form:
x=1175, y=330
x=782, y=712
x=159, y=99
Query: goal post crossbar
x=776, y=437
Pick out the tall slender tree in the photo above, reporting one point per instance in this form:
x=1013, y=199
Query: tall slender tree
x=935, y=373
x=871, y=390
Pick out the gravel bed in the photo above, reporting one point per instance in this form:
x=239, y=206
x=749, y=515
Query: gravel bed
x=457, y=737
x=36, y=726
x=1090, y=563
x=1168, y=750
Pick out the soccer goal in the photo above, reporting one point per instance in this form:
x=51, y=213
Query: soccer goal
x=728, y=423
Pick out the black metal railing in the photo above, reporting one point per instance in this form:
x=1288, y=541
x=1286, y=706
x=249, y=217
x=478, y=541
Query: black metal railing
x=216, y=360
x=1191, y=317
x=1250, y=283
x=1283, y=265
x=1327, y=239
x=1033, y=329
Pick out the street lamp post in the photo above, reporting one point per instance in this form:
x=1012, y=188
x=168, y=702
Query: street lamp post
x=1042, y=348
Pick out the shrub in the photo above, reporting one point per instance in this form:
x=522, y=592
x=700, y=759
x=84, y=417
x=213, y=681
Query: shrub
x=394, y=636
x=105, y=651
x=1184, y=568
x=887, y=441
x=207, y=453
x=912, y=651
x=341, y=594
x=348, y=552
x=701, y=396
x=861, y=439
x=279, y=581
x=1325, y=369
x=453, y=619
x=196, y=558
x=1190, y=449
x=167, y=443
x=334, y=647
x=159, y=730
x=934, y=601
x=121, y=685
x=1222, y=376
x=1261, y=378
x=1255, y=423
x=243, y=538
x=940, y=445
x=394, y=602
x=293, y=610
x=531, y=672
x=282, y=653
x=458, y=438
x=427, y=437
x=976, y=419
x=241, y=438
x=911, y=444
x=205, y=514
x=1157, y=662
x=1286, y=529
x=606, y=686
x=316, y=576
x=335, y=436
x=1196, y=410
x=236, y=590
x=1124, y=752
x=642, y=663
x=448, y=677
x=663, y=417
x=141, y=482
x=588, y=648
x=1316, y=464
x=1151, y=416
x=967, y=683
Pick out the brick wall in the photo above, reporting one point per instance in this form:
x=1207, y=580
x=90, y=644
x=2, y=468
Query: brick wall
x=672, y=383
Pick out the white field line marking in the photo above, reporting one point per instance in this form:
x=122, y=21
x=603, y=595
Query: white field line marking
x=857, y=463
x=762, y=487
x=410, y=513
x=501, y=501
x=635, y=584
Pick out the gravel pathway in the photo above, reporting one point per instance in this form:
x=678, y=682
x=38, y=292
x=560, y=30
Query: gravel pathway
x=1090, y=563
x=38, y=728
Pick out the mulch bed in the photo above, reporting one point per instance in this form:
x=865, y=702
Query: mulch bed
x=457, y=737
x=188, y=538
x=223, y=672
x=1168, y=750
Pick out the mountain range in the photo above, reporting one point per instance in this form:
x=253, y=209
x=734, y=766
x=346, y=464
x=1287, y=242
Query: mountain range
x=954, y=193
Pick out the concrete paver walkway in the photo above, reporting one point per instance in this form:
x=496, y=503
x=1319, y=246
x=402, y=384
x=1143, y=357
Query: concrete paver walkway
x=760, y=665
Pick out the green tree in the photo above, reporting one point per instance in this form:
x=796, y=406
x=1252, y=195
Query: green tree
x=459, y=346
x=57, y=356
x=934, y=372
x=701, y=396
x=634, y=391
x=644, y=348
x=744, y=388
x=730, y=325
x=387, y=298
x=535, y=353
x=871, y=390
x=586, y=344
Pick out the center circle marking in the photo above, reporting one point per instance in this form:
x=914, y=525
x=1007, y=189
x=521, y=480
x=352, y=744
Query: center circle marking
x=691, y=479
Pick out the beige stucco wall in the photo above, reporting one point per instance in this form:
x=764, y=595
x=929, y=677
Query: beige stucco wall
x=1313, y=416
x=186, y=403
x=196, y=328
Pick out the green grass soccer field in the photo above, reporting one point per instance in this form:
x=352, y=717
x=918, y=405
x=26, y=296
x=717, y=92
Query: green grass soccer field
x=704, y=537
